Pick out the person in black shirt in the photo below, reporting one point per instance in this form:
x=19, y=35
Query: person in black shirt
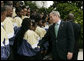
x=77, y=32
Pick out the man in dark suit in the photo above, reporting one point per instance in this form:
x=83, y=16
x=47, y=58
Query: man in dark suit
x=60, y=37
x=77, y=34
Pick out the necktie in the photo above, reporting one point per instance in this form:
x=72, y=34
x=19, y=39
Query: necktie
x=56, y=29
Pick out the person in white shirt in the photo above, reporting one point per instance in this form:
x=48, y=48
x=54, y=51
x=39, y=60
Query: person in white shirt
x=5, y=48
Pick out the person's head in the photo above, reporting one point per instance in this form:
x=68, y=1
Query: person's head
x=19, y=11
x=33, y=12
x=24, y=10
x=44, y=16
x=9, y=10
x=26, y=24
x=2, y=3
x=43, y=23
x=39, y=23
x=28, y=11
x=33, y=26
x=3, y=13
x=38, y=20
x=70, y=16
x=55, y=16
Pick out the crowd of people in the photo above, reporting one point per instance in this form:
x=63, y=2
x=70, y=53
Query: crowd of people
x=29, y=35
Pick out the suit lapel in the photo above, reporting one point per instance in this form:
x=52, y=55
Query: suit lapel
x=54, y=30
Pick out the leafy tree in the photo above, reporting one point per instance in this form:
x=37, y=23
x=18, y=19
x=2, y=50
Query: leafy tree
x=31, y=5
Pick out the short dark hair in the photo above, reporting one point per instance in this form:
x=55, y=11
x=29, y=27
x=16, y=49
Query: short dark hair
x=24, y=7
x=43, y=21
x=26, y=22
x=18, y=9
x=37, y=17
x=3, y=9
x=34, y=24
x=71, y=16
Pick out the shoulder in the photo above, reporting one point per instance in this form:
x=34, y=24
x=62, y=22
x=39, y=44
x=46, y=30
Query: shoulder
x=51, y=26
x=42, y=29
x=75, y=24
x=68, y=23
x=18, y=18
x=7, y=20
x=30, y=32
x=39, y=28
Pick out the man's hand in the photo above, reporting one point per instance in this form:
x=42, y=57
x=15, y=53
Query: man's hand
x=69, y=55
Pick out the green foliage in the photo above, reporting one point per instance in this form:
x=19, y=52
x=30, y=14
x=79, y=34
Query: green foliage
x=41, y=10
x=31, y=5
x=48, y=10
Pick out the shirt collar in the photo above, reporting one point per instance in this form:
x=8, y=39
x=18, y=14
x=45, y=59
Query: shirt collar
x=59, y=22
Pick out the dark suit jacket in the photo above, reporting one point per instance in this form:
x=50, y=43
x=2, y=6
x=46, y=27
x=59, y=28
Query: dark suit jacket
x=63, y=43
x=77, y=34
